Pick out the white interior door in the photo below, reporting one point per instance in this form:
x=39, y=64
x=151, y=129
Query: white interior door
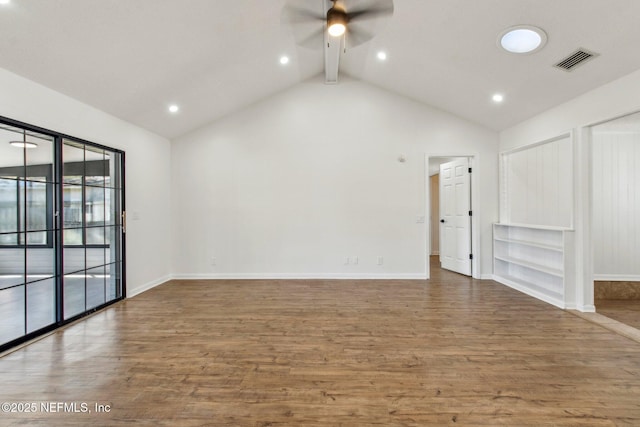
x=455, y=216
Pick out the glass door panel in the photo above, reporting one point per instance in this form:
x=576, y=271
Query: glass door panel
x=91, y=241
x=27, y=232
x=61, y=234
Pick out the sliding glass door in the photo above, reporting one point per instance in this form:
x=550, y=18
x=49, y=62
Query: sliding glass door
x=61, y=230
x=27, y=232
x=92, y=227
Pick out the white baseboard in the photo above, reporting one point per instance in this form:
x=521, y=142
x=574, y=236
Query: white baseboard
x=586, y=308
x=616, y=277
x=486, y=277
x=531, y=292
x=149, y=285
x=298, y=276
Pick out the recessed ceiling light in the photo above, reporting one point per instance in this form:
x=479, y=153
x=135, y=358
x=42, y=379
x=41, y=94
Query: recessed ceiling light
x=497, y=98
x=522, y=39
x=284, y=60
x=23, y=144
x=382, y=56
x=174, y=108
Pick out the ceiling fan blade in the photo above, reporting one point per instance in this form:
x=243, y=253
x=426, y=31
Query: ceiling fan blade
x=297, y=15
x=315, y=40
x=305, y=23
x=375, y=9
x=356, y=36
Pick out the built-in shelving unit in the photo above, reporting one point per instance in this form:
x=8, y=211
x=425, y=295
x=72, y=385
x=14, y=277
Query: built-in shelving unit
x=536, y=260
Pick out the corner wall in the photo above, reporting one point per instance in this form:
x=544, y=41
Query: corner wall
x=615, y=99
x=296, y=184
x=148, y=165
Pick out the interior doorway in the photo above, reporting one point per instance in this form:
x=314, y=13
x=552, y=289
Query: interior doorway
x=615, y=228
x=450, y=213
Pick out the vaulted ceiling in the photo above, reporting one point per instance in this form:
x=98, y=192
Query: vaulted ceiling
x=212, y=57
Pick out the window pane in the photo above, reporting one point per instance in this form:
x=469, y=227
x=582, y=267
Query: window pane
x=41, y=304
x=94, y=206
x=40, y=263
x=114, y=283
x=73, y=158
x=110, y=208
x=113, y=241
x=72, y=208
x=95, y=287
x=74, y=294
x=95, y=257
x=11, y=266
x=95, y=235
x=12, y=309
x=8, y=208
x=39, y=158
x=37, y=206
x=94, y=167
x=74, y=259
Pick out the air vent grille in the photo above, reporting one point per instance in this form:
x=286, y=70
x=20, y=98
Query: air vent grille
x=576, y=58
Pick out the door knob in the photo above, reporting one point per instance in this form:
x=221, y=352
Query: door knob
x=442, y=221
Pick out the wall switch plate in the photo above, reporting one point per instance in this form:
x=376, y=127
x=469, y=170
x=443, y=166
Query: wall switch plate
x=380, y=260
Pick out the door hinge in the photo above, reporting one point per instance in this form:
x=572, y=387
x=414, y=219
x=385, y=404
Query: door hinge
x=470, y=256
x=124, y=222
x=470, y=213
x=469, y=170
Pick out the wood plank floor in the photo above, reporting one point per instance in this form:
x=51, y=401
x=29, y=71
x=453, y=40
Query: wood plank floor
x=450, y=351
x=625, y=311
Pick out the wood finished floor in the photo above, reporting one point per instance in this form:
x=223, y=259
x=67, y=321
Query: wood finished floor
x=625, y=311
x=450, y=351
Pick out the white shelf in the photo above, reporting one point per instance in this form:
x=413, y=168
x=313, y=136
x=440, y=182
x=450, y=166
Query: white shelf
x=531, y=265
x=533, y=227
x=535, y=260
x=529, y=243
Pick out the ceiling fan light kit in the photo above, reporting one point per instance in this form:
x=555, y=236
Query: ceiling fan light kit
x=358, y=20
x=336, y=21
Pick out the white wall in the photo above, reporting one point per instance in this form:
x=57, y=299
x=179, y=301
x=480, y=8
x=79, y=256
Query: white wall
x=148, y=164
x=537, y=187
x=293, y=185
x=609, y=101
x=616, y=199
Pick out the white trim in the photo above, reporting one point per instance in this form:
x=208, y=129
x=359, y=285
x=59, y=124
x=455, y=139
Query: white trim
x=586, y=308
x=617, y=277
x=298, y=276
x=487, y=276
x=149, y=285
x=532, y=293
x=503, y=182
x=537, y=227
x=476, y=249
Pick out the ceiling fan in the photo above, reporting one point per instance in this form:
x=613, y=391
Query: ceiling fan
x=338, y=24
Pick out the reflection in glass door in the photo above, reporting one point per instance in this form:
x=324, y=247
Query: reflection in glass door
x=92, y=227
x=27, y=234
x=61, y=231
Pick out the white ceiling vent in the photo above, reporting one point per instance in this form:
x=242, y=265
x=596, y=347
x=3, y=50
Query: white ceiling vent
x=578, y=57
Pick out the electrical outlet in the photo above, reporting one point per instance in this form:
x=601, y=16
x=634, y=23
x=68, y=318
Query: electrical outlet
x=213, y=261
x=346, y=261
x=355, y=260
x=380, y=260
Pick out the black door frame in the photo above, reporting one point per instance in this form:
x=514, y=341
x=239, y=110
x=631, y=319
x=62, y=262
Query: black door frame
x=57, y=234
